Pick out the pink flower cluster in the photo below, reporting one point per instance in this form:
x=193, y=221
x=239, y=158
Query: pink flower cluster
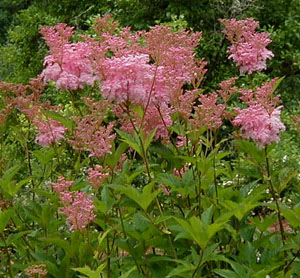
x=96, y=176
x=260, y=121
x=90, y=135
x=73, y=69
x=148, y=69
x=257, y=124
x=128, y=79
x=70, y=65
x=248, y=49
x=227, y=89
x=51, y=131
x=209, y=113
x=78, y=207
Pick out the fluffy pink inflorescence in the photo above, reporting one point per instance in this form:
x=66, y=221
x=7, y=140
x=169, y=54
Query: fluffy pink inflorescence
x=260, y=126
x=61, y=185
x=78, y=207
x=72, y=69
x=128, y=79
x=209, y=113
x=90, y=135
x=50, y=131
x=80, y=210
x=248, y=49
x=96, y=176
x=227, y=89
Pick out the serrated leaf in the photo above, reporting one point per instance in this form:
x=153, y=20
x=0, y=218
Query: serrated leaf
x=133, y=142
x=4, y=218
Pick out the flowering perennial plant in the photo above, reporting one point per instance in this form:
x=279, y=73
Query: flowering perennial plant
x=261, y=120
x=51, y=131
x=159, y=191
x=248, y=49
x=78, y=207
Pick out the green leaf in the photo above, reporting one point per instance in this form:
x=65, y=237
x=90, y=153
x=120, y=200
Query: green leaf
x=69, y=124
x=179, y=270
x=147, y=141
x=225, y=273
x=91, y=273
x=8, y=176
x=14, y=237
x=144, y=198
x=126, y=275
x=113, y=158
x=250, y=148
x=44, y=155
x=12, y=190
x=293, y=216
x=102, y=236
x=133, y=142
x=4, y=218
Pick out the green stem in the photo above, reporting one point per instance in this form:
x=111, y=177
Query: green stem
x=129, y=246
x=199, y=264
x=8, y=256
x=275, y=198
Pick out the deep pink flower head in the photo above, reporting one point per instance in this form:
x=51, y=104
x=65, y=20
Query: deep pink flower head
x=50, y=131
x=248, y=49
x=260, y=126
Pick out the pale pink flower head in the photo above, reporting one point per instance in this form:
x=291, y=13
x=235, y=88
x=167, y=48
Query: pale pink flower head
x=227, y=88
x=260, y=126
x=128, y=79
x=56, y=36
x=78, y=207
x=80, y=212
x=209, y=113
x=90, y=134
x=96, y=176
x=72, y=69
x=61, y=185
x=51, y=131
x=248, y=49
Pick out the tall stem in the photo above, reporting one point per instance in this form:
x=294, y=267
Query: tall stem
x=129, y=246
x=8, y=256
x=274, y=195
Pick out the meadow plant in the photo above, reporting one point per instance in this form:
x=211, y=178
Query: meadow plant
x=128, y=168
